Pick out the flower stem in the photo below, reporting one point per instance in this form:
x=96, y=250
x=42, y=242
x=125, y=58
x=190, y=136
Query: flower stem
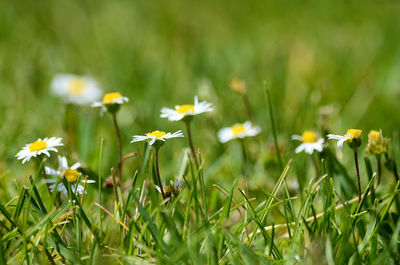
x=119, y=168
x=358, y=174
x=378, y=161
x=158, y=173
x=191, y=144
x=248, y=107
x=244, y=158
x=315, y=163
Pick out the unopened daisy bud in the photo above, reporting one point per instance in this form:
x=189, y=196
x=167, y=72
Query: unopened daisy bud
x=377, y=144
x=238, y=86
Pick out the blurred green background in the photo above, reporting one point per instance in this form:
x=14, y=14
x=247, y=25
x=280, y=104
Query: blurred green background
x=328, y=64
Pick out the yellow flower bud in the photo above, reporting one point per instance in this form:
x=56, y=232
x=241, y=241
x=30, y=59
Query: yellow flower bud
x=377, y=144
x=238, y=86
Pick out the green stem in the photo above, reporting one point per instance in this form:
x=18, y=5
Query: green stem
x=248, y=108
x=271, y=116
x=189, y=133
x=315, y=163
x=158, y=173
x=244, y=158
x=119, y=168
x=378, y=161
x=358, y=174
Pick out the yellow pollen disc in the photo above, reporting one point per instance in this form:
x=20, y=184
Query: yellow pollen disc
x=157, y=134
x=183, y=109
x=76, y=86
x=238, y=86
x=37, y=146
x=109, y=97
x=374, y=136
x=71, y=175
x=238, y=129
x=354, y=133
x=309, y=137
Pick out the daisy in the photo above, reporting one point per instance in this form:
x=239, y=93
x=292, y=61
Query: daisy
x=310, y=142
x=39, y=147
x=152, y=137
x=352, y=137
x=75, y=89
x=239, y=130
x=71, y=174
x=172, y=189
x=111, y=102
x=182, y=111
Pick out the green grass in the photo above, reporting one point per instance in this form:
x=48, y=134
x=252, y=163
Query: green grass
x=321, y=65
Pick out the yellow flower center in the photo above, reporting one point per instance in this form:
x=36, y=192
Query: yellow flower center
x=374, y=136
x=76, y=86
x=354, y=133
x=309, y=137
x=37, y=146
x=110, y=97
x=71, y=175
x=238, y=86
x=157, y=134
x=183, y=109
x=238, y=129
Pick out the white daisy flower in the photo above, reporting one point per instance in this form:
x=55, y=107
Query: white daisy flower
x=310, y=142
x=172, y=188
x=75, y=89
x=239, y=130
x=182, y=111
x=352, y=135
x=111, y=102
x=152, y=137
x=71, y=174
x=39, y=147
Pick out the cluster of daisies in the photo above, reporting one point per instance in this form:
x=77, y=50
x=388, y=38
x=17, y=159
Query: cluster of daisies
x=84, y=90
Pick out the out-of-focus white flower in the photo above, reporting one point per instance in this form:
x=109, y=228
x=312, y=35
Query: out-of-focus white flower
x=81, y=90
x=39, y=147
x=239, y=130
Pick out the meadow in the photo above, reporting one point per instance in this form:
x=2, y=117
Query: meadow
x=300, y=73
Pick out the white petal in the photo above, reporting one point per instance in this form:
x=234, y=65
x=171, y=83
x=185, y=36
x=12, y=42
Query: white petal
x=300, y=148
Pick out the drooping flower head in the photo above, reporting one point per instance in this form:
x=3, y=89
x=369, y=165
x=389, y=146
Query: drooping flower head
x=377, y=144
x=310, y=142
x=158, y=137
x=352, y=137
x=186, y=111
x=171, y=190
x=238, y=86
x=38, y=148
x=71, y=174
x=111, y=102
x=80, y=90
x=239, y=130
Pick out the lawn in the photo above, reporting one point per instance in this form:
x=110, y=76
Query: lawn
x=265, y=71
